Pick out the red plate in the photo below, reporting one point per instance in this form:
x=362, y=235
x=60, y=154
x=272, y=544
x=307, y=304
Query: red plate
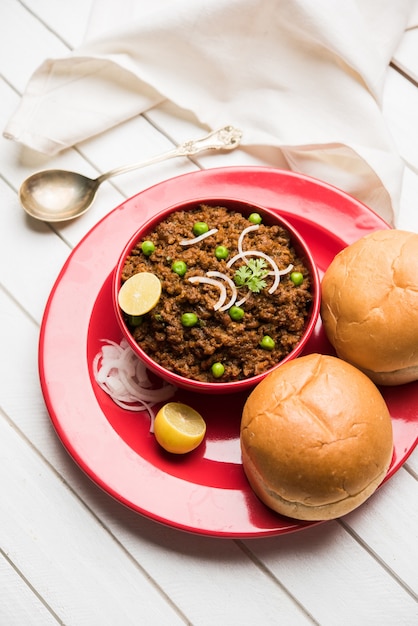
x=206, y=491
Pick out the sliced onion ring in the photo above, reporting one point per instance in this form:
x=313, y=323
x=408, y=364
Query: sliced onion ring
x=283, y=272
x=214, y=283
x=190, y=242
x=230, y=282
x=119, y=372
x=244, y=299
x=244, y=232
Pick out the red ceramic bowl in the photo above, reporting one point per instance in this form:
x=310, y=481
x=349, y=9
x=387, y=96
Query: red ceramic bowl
x=269, y=217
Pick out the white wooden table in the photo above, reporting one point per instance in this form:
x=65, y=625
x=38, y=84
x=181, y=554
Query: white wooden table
x=70, y=554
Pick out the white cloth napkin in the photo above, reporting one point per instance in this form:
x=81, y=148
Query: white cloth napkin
x=303, y=76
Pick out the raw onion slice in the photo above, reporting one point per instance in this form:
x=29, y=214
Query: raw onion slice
x=244, y=299
x=214, y=283
x=230, y=282
x=118, y=371
x=244, y=232
x=283, y=272
x=286, y=270
x=190, y=242
x=276, y=271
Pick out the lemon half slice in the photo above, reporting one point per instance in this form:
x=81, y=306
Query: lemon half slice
x=178, y=428
x=140, y=293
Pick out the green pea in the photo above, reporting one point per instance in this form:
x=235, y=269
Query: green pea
x=179, y=267
x=221, y=252
x=189, y=319
x=135, y=320
x=296, y=278
x=255, y=218
x=200, y=228
x=267, y=343
x=236, y=313
x=147, y=248
x=218, y=370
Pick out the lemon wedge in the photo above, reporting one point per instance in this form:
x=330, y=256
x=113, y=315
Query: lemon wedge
x=140, y=293
x=178, y=428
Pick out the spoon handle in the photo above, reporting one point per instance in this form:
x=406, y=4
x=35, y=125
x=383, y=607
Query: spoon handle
x=226, y=138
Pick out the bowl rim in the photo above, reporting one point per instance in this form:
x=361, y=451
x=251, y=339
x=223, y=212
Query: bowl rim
x=234, y=204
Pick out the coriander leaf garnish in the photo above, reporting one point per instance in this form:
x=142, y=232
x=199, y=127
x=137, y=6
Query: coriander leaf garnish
x=252, y=275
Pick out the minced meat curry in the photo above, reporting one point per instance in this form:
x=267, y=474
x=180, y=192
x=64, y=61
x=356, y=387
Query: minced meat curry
x=184, y=333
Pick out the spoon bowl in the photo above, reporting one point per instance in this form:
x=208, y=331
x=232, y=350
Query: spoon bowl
x=57, y=195
x=60, y=195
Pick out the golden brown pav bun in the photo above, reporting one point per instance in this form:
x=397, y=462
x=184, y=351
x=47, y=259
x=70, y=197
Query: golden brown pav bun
x=316, y=438
x=370, y=305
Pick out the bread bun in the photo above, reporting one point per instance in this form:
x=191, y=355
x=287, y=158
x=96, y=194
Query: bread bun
x=316, y=438
x=370, y=305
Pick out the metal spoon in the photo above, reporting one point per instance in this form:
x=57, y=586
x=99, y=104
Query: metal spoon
x=59, y=195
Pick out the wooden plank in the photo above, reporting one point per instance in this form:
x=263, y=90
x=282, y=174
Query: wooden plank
x=216, y=573
x=44, y=253
x=63, y=550
x=19, y=604
x=391, y=512
x=23, y=33
x=339, y=581
x=66, y=19
x=412, y=464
